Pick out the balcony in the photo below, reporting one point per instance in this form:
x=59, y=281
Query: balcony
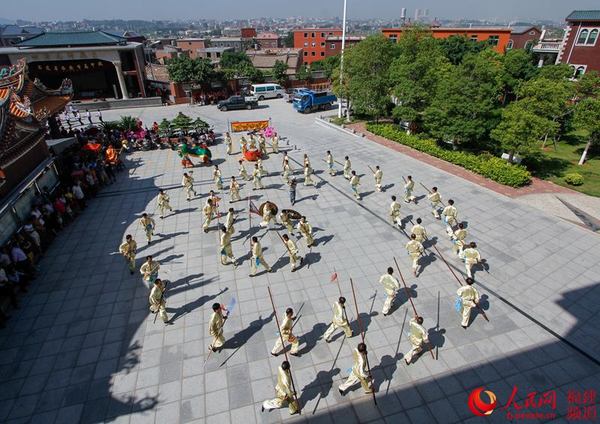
x=547, y=47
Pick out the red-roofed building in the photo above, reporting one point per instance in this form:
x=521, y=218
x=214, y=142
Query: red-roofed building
x=580, y=47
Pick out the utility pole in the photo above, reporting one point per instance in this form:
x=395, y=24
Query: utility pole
x=342, y=60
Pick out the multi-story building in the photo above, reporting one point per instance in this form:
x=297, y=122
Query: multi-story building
x=580, y=47
x=524, y=37
x=268, y=40
x=265, y=59
x=313, y=42
x=334, y=44
x=213, y=54
x=191, y=45
x=237, y=44
x=13, y=34
x=497, y=37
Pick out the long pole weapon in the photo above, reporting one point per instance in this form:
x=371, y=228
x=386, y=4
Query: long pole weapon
x=362, y=335
x=411, y=301
x=429, y=191
x=284, y=351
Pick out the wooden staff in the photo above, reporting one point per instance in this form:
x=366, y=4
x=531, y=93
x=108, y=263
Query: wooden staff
x=284, y=351
x=429, y=191
x=370, y=169
x=284, y=243
x=339, y=163
x=362, y=335
x=411, y=301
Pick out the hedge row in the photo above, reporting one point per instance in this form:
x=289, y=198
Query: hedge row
x=489, y=166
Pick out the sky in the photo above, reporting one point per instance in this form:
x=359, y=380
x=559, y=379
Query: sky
x=505, y=10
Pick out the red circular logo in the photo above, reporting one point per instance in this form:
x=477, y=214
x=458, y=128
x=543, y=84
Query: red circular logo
x=478, y=406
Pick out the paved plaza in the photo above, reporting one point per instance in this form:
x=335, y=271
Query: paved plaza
x=84, y=348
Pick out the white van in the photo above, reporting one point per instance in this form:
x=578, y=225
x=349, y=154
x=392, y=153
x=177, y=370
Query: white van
x=267, y=91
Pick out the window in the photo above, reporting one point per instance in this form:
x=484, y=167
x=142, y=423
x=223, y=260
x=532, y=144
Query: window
x=312, y=35
x=305, y=53
x=494, y=39
x=207, y=54
x=218, y=54
x=473, y=38
x=306, y=35
x=306, y=44
x=331, y=33
x=393, y=38
x=528, y=45
x=510, y=44
x=332, y=46
x=323, y=44
x=322, y=35
x=322, y=54
x=531, y=32
x=592, y=38
x=313, y=53
x=313, y=44
x=583, y=36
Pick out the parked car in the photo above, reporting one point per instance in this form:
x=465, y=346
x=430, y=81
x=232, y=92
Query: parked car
x=267, y=91
x=238, y=102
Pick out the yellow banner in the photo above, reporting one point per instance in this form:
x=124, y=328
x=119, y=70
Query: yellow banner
x=239, y=126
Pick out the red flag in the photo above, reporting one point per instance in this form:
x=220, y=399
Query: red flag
x=334, y=277
x=253, y=208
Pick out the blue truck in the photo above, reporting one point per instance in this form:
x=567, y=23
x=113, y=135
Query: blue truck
x=306, y=101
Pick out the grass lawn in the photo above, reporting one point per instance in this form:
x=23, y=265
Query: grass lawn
x=564, y=161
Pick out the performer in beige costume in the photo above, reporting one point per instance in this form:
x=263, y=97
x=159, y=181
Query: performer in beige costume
x=275, y=143
x=471, y=257
x=217, y=178
x=391, y=287
x=469, y=299
x=306, y=230
x=347, y=168
x=419, y=231
x=188, y=184
x=234, y=190
x=395, y=212
x=148, y=225
x=157, y=300
x=417, y=337
x=128, y=249
x=330, y=162
x=226, y=250
x=354, y=183
x=163, y=203
x=293, y=252
x=360, y=371
x=286, y=220
x=308, y=181
x=284, y=392
x=458, y=238
x=436, y=200
x=243, y=174
x=229, y=219
x=450, y=216
x=415, y=250
x=378, y=175
x=268, y=216
x=215, y=328
x=339, y=320
x=149, y=270
x=409, y=186
x=208, y=210
x=286, y=331
x=229, y=143
x=257, y=257
x=256, y=178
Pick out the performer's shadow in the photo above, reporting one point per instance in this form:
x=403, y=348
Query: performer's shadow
x=310, y=338
x=217, y=161
x=366, y=193
x=241, y=337
x=312, y=196
x=430, y=242
x=319, y=387
x=387, y=187
x=180, y=211
x=402, y=297
x=483, y=303
x=436, y=337
x=171, y=258
x=311, y=258
x=198, y=303
x=323, y=240
x=426, y=260
x=419, y=198
x=384, y=371
x=185, y=281
x=405, y=220
x=365, y=321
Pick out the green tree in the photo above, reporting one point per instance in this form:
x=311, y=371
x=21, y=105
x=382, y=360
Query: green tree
x=327, y=65
x=288, y=40
x=182, y=121
x=556, y=72
x=366, y=68
x=128, y=123
x=280, y=72
x=183, y=69
x=466, y=104
x=587, y=118
x=519, y=131
x=304, y=74
x=415, y=74
x=165, y=126
x=518, y=67
x=231, y=59
x=456, y=47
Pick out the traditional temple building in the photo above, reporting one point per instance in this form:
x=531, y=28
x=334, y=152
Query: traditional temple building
x=100, y=65
x=25, y=108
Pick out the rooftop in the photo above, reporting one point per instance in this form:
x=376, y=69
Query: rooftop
x=584, y=15
x=522, y=29
x=316, y=29
x=225, y=39
x=15, y=30
x=213, y=49
x=348, y=38
x=267, y=35
x=73, y=38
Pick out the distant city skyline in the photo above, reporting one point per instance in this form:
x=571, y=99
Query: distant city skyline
x=508, y=10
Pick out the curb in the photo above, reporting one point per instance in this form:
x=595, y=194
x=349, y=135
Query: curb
x=325, y=123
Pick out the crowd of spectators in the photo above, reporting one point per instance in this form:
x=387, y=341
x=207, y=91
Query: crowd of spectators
x=83, y=172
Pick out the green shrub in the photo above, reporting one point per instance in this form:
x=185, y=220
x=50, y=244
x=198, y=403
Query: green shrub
x=489, y=166
x=574, y=179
